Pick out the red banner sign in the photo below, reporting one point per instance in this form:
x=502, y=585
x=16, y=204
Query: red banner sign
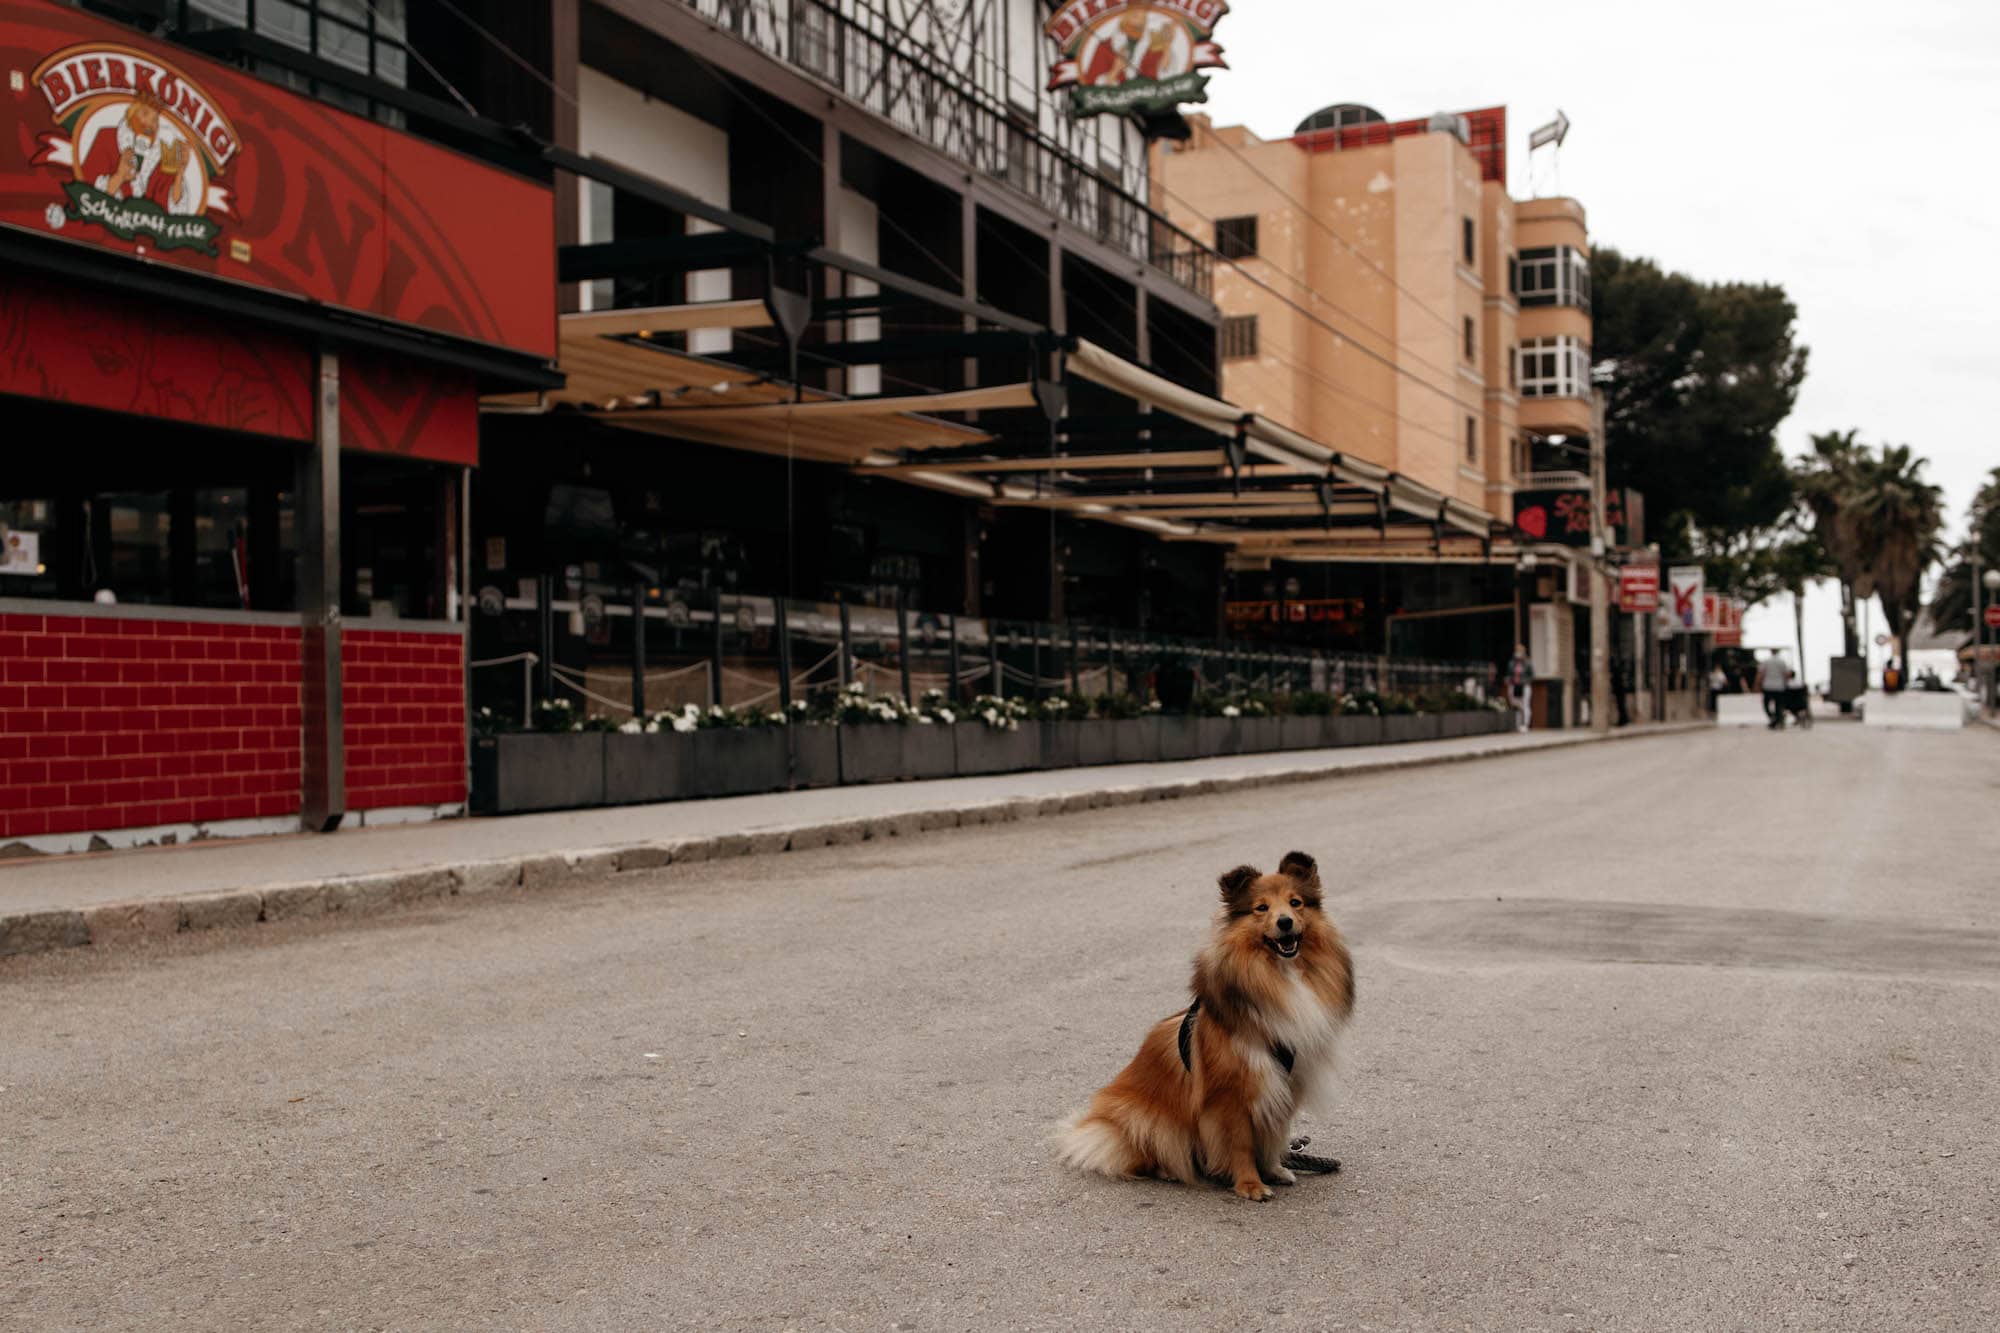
x=1639, y=589
x=109, y=139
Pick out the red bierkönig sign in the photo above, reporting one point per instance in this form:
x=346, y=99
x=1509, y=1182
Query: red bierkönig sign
x=111, y=140
x=1993, y=616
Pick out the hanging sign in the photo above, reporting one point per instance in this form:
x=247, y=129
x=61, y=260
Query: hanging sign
x=1639, y=588
x=1688, y=585
x=1135, y=57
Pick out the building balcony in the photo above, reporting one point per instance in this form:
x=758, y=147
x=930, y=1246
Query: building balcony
x=904, y=82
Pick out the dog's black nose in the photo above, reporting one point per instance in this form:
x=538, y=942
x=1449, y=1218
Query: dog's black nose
x=1284, y=925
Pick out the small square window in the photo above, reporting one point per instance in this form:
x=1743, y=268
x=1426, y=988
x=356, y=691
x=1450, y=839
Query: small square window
x=1239, y=337
x=1236, y=238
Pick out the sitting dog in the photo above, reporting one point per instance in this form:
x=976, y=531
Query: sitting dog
x=1212, y=1092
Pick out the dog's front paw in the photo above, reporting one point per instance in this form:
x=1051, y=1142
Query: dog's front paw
x=1279, y=1175
x=1254, y=1190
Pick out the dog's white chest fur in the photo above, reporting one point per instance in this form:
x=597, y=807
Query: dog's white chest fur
x=1310, y=1029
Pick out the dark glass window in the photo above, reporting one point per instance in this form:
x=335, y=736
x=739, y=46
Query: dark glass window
x=1472, y=439
x=1236, y=238
x=1469, y=239
x=1470, y=345
x=1239, y=337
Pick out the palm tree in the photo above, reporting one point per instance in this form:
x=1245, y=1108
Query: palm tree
x=1951, y=603
x=1894, y=516
x=1826, y=480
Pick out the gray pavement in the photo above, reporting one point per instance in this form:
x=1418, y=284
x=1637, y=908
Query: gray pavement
x=1691, y=1032
x=81, y=881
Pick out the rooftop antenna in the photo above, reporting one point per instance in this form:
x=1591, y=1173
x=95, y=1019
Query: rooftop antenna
x=1550, y=136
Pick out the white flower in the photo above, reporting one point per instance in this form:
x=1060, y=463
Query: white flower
x=925, y=719
x=945, y=715
x=684, y=723
x=633, y=727
x=715, y=710
x=775, y=719
x=1231, y=710
x=856, y=688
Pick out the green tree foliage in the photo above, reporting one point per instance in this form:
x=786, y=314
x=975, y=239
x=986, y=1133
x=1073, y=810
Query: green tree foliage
x=1877, y=519
x=1951, y=604
x=1701, y=375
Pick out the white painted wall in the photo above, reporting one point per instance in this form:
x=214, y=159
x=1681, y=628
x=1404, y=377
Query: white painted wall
x=622, y=124
x=856, y=223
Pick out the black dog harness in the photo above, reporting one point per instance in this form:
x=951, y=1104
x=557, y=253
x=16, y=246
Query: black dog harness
x=1279, y=1051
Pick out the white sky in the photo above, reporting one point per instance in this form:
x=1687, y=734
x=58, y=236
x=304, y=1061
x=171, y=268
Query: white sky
x=1840, y=149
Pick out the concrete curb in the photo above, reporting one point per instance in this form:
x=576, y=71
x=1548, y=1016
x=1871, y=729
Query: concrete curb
x=351, y=896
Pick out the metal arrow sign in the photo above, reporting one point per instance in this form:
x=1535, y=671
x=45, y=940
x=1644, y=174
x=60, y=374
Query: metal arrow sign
x=1554, y=132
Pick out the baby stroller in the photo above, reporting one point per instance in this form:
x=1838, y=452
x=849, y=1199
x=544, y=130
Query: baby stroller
x=1796, y=702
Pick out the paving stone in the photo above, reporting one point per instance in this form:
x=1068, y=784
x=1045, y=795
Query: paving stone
x=119, y=923
x=646, y=856
x=244, y=907
x=479, y=877
x=34, y=932
x=288, y=902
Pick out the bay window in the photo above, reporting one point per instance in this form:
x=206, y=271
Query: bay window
x=1556, y=367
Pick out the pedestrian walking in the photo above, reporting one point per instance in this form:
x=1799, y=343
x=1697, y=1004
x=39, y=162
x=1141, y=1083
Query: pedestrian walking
x=1520, y=672
x=1718, y=685
x=1773, y=678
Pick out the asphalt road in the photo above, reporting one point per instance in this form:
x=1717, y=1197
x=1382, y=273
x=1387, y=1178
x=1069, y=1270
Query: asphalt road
x=1696, y=1032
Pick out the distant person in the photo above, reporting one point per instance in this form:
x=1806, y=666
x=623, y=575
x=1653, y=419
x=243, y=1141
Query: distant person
x=1621, y=685
x=1774, y=677
x=1718, y=685
x=1520, y=675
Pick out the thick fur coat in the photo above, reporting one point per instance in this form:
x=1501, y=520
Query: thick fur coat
x=1273, y=991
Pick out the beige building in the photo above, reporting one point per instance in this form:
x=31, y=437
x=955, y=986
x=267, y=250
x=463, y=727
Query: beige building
x=1393, y=300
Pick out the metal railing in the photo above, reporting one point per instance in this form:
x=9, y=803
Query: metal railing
x=916, y=83
x=752, y=652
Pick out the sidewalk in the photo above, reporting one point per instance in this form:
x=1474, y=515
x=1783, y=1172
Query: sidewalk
x=56, y=902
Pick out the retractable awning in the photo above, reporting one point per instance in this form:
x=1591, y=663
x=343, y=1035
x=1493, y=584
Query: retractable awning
x=618, y=377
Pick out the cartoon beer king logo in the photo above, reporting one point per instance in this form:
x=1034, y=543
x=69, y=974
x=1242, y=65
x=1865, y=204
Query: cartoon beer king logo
x=141, y=146
x=1134, y=56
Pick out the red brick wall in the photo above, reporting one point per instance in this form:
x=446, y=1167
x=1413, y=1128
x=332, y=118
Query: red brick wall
x=403, y=695
x=114, y=723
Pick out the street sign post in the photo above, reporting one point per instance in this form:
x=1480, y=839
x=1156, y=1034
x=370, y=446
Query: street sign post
x=1993, y=616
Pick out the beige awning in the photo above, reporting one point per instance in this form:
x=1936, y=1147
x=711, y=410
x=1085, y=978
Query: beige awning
x=1114, y=372
x=669, y=318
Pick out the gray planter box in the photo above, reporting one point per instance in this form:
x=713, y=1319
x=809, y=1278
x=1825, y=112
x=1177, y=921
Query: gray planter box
x=638, y=769
x=1217, y=735
x=1061, y=743
x=1304, y=733
x=1180, y=737
x=892, y=752
x=817, y=756
x=1400, y=727
x=1135, y=740
x=1096, y=743
x=983, y=749
x=1260, y=735
x=1470, y=722
x=1354, y=729
x=535, y=771
x=737, y=760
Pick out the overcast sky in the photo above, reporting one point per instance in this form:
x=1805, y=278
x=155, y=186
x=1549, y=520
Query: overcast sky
x=1841, y=150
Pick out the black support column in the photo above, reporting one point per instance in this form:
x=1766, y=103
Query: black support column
x=324, y=795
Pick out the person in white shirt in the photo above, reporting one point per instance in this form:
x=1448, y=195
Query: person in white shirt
x=1774, y=677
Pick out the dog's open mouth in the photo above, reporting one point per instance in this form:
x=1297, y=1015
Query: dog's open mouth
x=1286, y=945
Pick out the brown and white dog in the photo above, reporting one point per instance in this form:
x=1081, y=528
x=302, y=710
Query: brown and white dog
x=1212, y=1092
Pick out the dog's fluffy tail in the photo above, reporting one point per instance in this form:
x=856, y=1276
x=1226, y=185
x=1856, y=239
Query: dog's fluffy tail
x=1092, y=1143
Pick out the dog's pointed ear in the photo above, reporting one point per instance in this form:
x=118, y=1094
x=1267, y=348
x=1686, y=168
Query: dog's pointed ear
x=1236, y=887
x=1305, y=871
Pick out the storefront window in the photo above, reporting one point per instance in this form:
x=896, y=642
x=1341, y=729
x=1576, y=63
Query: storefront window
x=393, y=536
x=170, y=515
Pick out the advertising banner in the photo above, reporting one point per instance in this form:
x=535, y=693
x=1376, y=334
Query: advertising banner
x=112, y=140
x=1639, y=589
x=1134, y=56
x=1688, y=585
